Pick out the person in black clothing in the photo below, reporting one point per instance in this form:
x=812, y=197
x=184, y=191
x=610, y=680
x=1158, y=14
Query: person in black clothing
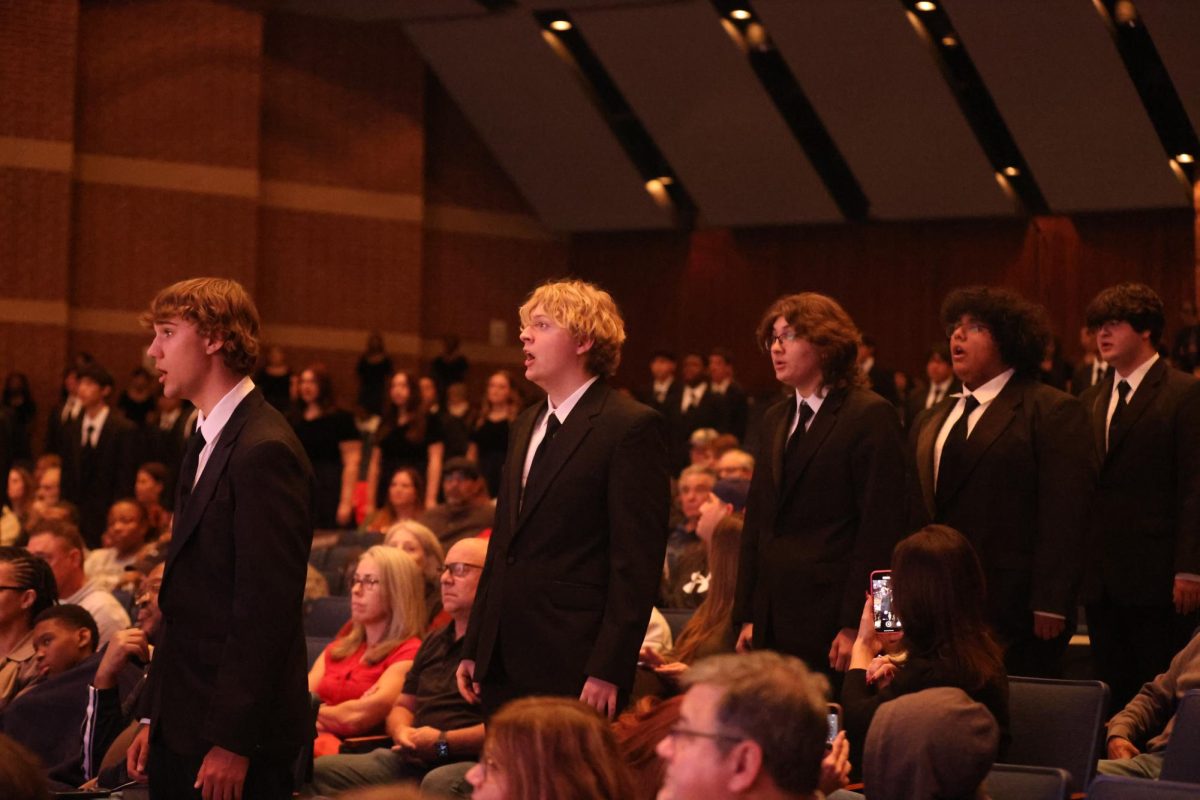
x=18, y=398
x=448, y=368
x=137, y=400
x=489, y=438
x=333, y=446
x=373, y=369
x=275, y=379
x=938, y=591
x=408, y=436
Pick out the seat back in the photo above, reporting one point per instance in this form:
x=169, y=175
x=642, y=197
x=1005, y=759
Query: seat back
x=1110, y=787
x=677, y=618
x=1017, y=782
x=326, y=616
x=315, y=646
x=1057, y=724
x=1181, y=762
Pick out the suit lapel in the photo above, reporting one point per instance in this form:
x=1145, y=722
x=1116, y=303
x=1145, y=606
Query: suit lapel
x=925, y=451
x=186, y=523
x=996, y=417
x=566, y=441
x=821, y=426
x=1142, y=399
x=1100, y=415
x=522, y=433
x=778, y=440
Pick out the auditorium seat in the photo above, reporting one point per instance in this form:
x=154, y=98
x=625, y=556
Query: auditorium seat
x=677, y=618
x=326, y=616
x=316, y=645
x=1181, y=762
x=1057, y=724
x=1110, y=787
x=1017, y=782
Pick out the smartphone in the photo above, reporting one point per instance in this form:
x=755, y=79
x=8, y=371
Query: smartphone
x=886, y=620
x=834, y=722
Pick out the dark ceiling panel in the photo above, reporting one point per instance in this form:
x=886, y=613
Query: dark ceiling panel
x=371, y=10
x=883, y=99
x=698, y=97
x=1059, y=83
x=530, y=108
x=1175, y=28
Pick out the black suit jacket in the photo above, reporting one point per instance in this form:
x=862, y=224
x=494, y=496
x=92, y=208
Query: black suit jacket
x=1081, y=378
x=737, y=411
x=230, y=669
x=1021, y=499
x=914, y=403
x=1145, y=520
x=95, y=482
x=571, y=572
x=883, y=382
x=810, y=543
x=710, y=412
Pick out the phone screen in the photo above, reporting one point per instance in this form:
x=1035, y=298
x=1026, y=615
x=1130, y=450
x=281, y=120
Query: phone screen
x=834, y=722
x=886, y=620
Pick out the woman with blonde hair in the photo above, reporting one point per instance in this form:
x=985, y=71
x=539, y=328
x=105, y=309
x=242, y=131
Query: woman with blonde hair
x=360, y=674
x=544, y=747
x=421, y=545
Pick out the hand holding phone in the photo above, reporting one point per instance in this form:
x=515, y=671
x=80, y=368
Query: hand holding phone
x=886, y=619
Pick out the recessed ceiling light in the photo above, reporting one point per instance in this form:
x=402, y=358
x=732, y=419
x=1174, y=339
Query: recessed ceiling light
x=949, y=41
x=665, y=180
x=1185, y=158
x=926, y=5
x=560, y=25
x=1012, y=172
x=740, y=14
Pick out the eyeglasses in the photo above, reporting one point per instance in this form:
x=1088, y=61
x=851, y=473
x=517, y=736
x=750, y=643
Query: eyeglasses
x=784, y=339
x=677, y=732
x=148, y=589
x=368, y=582
x=459, y=568
x=968, y=327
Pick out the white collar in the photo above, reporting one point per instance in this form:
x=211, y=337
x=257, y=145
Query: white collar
x=564, y=409
x=814, y=400
x=97, y=422
x=1135, y=378
x=212, y=425
x=987, y=393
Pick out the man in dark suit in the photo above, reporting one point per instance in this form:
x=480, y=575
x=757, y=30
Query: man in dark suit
x=1007, y=464
x=724, y=385
x=1091, y=370
x=697, y=406
x=1143, y=585
x=879, y=379
x=227, y=692
x=576, y=555
x=826, y=501
x=100, y=454
x=664, y=389
x=941, y=383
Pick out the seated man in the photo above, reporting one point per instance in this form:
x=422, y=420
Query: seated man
x=431, y=724
x=47, y=716
x=750, y=726
x=468, y=509
x=735, y=463
x=1149, y=718
x=695, y=485
x=687, y=584
x=59, y=544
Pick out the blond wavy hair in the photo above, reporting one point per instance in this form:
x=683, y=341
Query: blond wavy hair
x=220, y=308
x=403, y=588
x=588, y=313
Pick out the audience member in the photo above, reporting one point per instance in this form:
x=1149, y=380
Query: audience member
x=17, y=512
x=274, y=379
x=18, y=399
x=137, y=401
x=941, y=383
x=829, y=506
x=405, y=501
x=735, y=464
x=539, y=747
x=664, y=390
x=448, y=367
x=750, y=726
x=489, y=437
x=422, y=546
x=359, y=675
x=468, y=509
x=1092, y=369
x=99, y=454
x=1142, y=591
x=935, y=744
x=457, y=417
x=638, y=732
x=108, y=568
x=695, y=485
x=59, y=544
x=724, y=386
x=373, y=369
x=877, y=378
x=1007, y=464
x=431, y=725
x=333, y=446
x=697, y=408
x=687, y=584
x=1146, y=723
x=938, y=594
x=701, y=449
x=175, y=421
x=408, y=436
x=148, y=488
x=27, y=589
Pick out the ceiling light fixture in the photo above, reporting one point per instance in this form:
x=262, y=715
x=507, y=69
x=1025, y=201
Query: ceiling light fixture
x=1012, y=172
x=949, y=41
x=926, y=5
x=740, y=14
x=560, y=25
x=1185, y=158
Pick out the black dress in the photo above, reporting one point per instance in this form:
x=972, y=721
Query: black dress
x=491, y=444
x=276, y=388
x=396, y=450
x=322, y=439
x=372, y=383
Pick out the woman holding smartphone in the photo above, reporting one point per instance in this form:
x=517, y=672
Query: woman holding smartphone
x=938, y=594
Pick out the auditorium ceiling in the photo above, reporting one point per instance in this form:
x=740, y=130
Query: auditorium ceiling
x=650, y=114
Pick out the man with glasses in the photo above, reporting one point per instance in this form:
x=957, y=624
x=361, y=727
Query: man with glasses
x=751, y=727
x=827, y=500
x=431, y=724
x=1006, y=462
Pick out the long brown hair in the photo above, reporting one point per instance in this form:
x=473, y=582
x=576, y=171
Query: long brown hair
x=414, y=407
x=638, y=733
x=939, y=595
x=514, y=400
x=553, y=747
x=715, y=613
x=826, y=326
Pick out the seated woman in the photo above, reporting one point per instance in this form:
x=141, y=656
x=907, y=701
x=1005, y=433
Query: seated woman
x=422, y=546
x=15, y=515
x=148, y=489
x=29, y=589
x=938, y=592
x=360, y=674
x=405, y=501
x=710, y=629
x=540, y=747
x=126, y=533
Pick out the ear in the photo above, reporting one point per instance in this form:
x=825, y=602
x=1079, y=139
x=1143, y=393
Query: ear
x=83, y=638
x=584, y=345
x=28, y=598
x=213, y=345
x=746, y=762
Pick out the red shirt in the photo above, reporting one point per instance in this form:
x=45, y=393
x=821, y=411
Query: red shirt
x=349, y=678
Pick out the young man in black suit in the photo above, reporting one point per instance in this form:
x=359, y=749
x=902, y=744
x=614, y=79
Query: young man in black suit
x=577, y=551
x=723, y=384
x=1143, y=585
x=696, y=406
x=227, y=694
x=1007, y=463
x=941, y=383
x=826, y=501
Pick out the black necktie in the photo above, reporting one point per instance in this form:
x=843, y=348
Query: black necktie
x=804, y=411
x=187, y=472
x=87, y=436
x=937, y=396
x=953, y=447
x=539, y=455
x=1114, y=424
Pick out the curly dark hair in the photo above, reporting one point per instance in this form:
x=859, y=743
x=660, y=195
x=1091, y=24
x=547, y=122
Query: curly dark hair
x=1019, y=327
x=1135, y=303
x=826, y=326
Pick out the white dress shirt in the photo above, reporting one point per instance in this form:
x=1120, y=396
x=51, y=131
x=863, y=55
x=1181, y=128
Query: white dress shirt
x=1134, y=379
x=985, y=395
x=212, y=425
x=95, y=425
x=539, y=430
x=814, y=402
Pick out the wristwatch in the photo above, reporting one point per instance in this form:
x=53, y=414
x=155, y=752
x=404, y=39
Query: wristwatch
x=442, y=747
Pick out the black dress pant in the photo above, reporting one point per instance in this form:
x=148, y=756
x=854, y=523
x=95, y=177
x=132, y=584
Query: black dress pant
x=173, y=775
